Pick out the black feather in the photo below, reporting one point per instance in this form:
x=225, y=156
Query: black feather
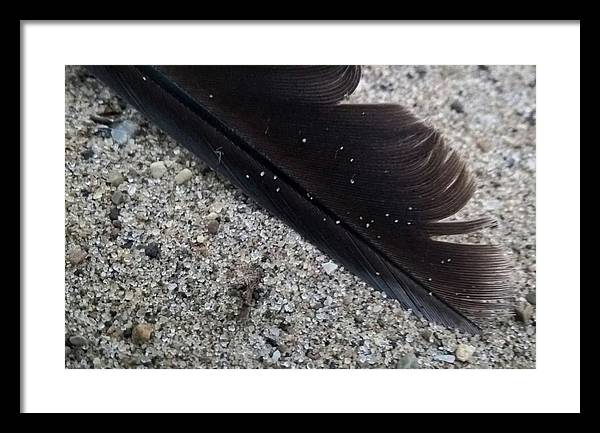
x=368, y=184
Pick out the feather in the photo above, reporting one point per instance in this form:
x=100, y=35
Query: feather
x=369, y=184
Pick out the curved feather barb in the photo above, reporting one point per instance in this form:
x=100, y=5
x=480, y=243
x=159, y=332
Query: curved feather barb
x=370, y=185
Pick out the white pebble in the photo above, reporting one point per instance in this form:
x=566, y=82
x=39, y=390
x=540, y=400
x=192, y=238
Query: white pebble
x=183, y=176
x=464, y=352
x=158, y=169
x=329, y=267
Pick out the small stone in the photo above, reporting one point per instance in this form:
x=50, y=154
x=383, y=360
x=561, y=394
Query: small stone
x=122, y=131
x=158, y=169
x=457, y=106
x=213, y=227
x=464, y=352
x=87, y=153
x=141, y=333
x=524, y=312
x=152, y=250
x=484, y=146
x=97, y=363
x=530, y=297
x=427, y=335
x=114, y=213
x=216, y=207
x=408, y=361
x=445, y=358
x=78, y=340
x=329, y=267
x=76, y=255
x=276, y=356
x=421, y=71
x=183, y=176
x=115, y=178
x=117, y=198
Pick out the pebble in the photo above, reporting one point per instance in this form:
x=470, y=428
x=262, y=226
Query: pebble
x=87, y=153
x=421, y=71
x=158, y=169
x=329, y=267
x=530, y=297
x=114, y=213
x=427, y=335
x=408, y=361
x=524, y=312
x=152, y=250
x=117, y=198
x=445, y=358
x=457, y=106
x=78, y=340
x=115, y=178
x=97, y=363
x=213, y=227
x=122, y=131
x=276, y=356
x=216, y=207
x=183, y=176
x=484, y=145
x=76, y=255
x=141, y=333
x=464, y=352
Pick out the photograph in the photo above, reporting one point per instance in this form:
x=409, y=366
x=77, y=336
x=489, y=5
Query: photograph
x=265, y=216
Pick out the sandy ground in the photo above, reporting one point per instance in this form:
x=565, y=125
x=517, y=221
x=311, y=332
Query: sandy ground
x=156, y=272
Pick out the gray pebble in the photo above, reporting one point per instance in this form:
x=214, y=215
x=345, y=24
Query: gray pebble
x=445, y=358
x=484, y=145
x=183, y=176
x=158, y=169
x=524, y=312
x=530, y=297
x=457, y=106
x=117, y=198
x=427, y=335
x=78, y=340
x=121, y=132
x=76, y=255
x=152, y=250
x=114, y=213
x=213, y=227
x=408, y=361
x=115, y=178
